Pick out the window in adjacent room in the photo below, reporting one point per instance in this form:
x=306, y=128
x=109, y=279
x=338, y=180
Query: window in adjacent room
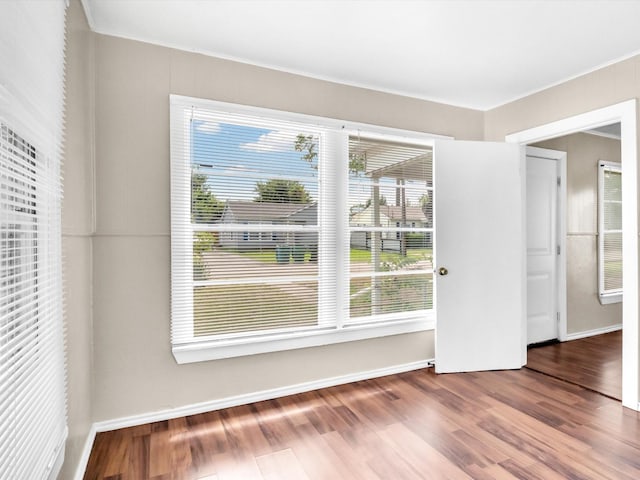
x=610, y=232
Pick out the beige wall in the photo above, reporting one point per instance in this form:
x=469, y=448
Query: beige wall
x=604, y=87
x=77, y=228
x=584, y=311
x=135, y=370
x=124, y=268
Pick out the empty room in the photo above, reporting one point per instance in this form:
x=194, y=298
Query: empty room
x=319, y=239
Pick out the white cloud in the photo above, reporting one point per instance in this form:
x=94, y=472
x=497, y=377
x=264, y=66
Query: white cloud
x=208, y=127
x=274, y=141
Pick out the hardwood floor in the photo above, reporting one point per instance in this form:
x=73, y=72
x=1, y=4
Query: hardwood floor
x=593, y=362
x=416, y=425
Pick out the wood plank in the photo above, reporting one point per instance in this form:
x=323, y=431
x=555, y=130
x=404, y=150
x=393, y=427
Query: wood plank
x=415, y=425
x=282, y=465
x=232, y=467
x=426, y=461
x=593, y=362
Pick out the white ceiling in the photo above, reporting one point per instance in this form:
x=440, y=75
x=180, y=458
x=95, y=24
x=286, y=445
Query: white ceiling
x=472, y=53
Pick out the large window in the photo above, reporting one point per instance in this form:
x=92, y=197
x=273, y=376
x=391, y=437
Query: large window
x=609, y=232
x=290, y=231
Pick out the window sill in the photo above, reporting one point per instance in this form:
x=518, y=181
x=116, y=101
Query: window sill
x=606, y=299
x=215, y=350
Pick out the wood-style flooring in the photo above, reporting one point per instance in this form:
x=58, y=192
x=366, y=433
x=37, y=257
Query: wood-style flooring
x=416, y=425
x=593, y=362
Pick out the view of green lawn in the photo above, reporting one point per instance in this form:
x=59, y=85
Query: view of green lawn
x=613, y=273
x=223, y=309
x=266, y=255
x=356, y=255
x=227, y=309
x=397, y=294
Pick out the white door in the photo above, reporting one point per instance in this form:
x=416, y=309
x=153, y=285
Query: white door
x=542, y=245
x=480, y=264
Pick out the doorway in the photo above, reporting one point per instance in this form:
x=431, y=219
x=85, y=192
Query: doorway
x=592, y=357
x=546, y=245
x=625, y=113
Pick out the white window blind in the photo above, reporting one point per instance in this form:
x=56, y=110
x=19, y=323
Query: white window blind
x=262, y=247
x=391, y=229
x=610, y=232
x=32, y=383
x=249, y=201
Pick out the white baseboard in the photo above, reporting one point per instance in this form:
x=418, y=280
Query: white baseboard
x=270, y=394
x=596, y=331
x=234, y=401
x=86, y=452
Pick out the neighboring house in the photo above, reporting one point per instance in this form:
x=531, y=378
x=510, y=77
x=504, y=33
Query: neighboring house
x=390, y=217
x=267, y=213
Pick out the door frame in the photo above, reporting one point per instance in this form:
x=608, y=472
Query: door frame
x=625, y=113
x=561, y=232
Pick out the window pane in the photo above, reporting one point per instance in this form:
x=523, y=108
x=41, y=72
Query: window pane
x=383, y=251
x=390, y=294
x=405, y=204
x=225, y=309
x=612, y=215
x=242, y=255
x=389, y=184
x=391, y=220
x=612, y=256
x=610, y=229
x=612, y=185
x=376, y=159
x=248, y=174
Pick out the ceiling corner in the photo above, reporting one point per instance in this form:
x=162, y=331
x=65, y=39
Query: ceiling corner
x=86, y=6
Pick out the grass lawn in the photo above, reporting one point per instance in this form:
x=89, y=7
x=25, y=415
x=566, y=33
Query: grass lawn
x=266, y=256
x=397, y=294
x=240, y=308
x=612, y=267
x=613, y=274
x=223, y=309
x=356, y=255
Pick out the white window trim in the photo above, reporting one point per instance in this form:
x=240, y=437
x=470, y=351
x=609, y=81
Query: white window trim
x=214, y=350
x=337, y=332
x=606, y=298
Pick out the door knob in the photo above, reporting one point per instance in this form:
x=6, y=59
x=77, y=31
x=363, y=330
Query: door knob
x=443, y=271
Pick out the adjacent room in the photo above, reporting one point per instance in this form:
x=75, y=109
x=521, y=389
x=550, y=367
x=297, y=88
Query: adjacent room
x=592, y=357
x=311, y=239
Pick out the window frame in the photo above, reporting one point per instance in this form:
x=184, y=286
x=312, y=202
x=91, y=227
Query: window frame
x=605, y=297
x=339, y=132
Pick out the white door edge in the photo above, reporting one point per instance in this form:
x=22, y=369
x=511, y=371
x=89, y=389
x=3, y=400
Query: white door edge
x=625, y=113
